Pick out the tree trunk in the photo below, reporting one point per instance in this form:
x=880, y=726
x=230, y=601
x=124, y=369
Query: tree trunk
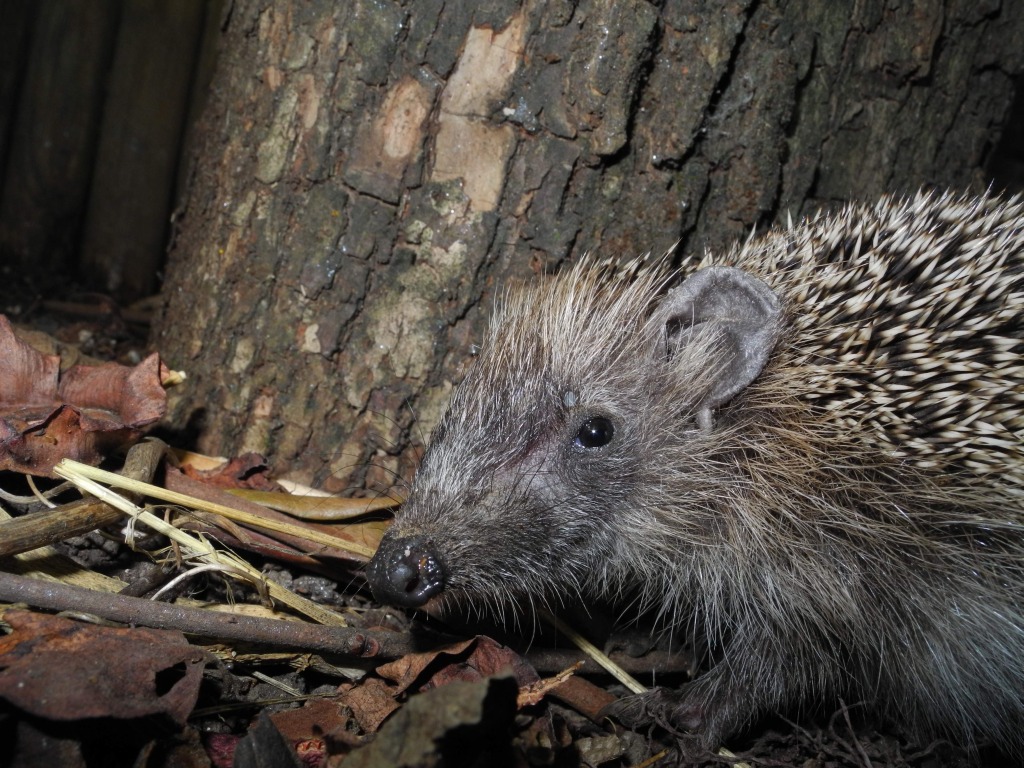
x=370, y=172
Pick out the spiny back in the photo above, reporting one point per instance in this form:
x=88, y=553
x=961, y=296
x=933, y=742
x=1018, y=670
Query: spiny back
x=907, y=318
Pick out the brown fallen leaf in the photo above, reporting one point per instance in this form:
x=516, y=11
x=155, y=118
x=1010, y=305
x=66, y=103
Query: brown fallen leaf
x=318, y=508
x=534, y=693
x=487, y=658
x=371, y=702
x=404, y=672
x=84, y=413
x=306, y=540
x=460, y=724
x=317, y=728
x=474, y=659
x=583, y=696
x=247, y=477
x=60, y=669
x=250, y=470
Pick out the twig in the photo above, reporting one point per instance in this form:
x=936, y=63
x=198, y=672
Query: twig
x=172, y=497
x=198, y=548
x=595, y=653
x=29, y=532
x=292, y=635
x=853, y=734
x=549, y=661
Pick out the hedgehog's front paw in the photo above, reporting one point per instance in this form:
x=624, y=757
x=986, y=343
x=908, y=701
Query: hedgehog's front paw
x=670, y=709
x=691, y=712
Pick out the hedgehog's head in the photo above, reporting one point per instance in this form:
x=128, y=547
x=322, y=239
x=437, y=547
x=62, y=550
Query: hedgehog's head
x=557, y=429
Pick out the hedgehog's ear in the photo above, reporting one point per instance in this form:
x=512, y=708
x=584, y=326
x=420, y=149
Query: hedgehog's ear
x=746, y=314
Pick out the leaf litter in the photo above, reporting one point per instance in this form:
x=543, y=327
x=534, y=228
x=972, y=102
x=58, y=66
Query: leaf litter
x=85, y=412
x=241, y=661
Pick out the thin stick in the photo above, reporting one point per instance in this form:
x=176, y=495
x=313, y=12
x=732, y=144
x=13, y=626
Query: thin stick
x=199, y=548
x=28, y=532
x=156, y=492
x=293, y=635
x=595, y=653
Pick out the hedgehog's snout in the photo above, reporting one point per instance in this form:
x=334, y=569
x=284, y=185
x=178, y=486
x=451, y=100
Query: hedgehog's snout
x=406, y=572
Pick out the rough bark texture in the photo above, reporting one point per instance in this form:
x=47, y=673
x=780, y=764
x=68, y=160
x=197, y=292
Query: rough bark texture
x=371, y=171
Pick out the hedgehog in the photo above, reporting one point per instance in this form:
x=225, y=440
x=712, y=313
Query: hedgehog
x=806, y=455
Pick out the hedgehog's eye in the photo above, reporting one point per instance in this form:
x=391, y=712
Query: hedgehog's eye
x=595, y=432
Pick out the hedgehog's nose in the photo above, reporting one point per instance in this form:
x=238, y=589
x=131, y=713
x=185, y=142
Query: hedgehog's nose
x=406, y=572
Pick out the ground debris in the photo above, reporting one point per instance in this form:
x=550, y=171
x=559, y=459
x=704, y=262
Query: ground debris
x=85, y=412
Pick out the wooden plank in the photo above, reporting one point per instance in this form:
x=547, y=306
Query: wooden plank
x=143, y=118
x=53, y=136
x=15, y=35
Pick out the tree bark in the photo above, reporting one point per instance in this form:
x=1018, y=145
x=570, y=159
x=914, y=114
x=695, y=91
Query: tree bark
x=370, y=173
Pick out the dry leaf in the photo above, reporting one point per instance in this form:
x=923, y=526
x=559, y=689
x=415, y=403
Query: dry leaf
x=408, y=669
x=469, y=660
x=65, y=670
x=250, y=470
x=459, y=724
x=308, y=729
x=583, y=696
x=371, y=702
x=85, y=413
